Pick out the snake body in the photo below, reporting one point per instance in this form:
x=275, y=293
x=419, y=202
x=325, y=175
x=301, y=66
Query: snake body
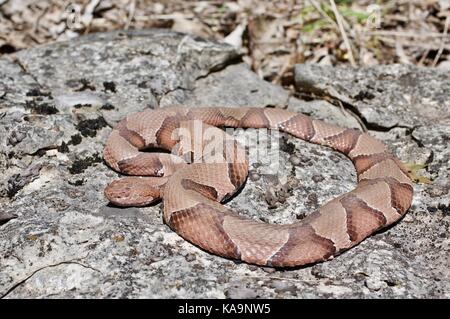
x=192, y=189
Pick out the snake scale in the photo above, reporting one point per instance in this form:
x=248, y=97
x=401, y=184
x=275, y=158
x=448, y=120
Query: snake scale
x=192, y=189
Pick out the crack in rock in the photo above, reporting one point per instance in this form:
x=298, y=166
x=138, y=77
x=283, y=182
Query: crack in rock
x=22, y=66
x=67, y=262
x=220, y=67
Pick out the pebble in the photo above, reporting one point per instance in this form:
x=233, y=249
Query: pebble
x=282, y=286
x=190, y=257
x=295, y=160
x=254, y=176
x=374, y=284
x=241, y=293
x=317, y=178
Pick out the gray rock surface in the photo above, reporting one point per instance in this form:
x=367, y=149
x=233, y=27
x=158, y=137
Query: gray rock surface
x=58, y=103
x=385, y=96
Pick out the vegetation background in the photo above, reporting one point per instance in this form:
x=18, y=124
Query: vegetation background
x=272, y=35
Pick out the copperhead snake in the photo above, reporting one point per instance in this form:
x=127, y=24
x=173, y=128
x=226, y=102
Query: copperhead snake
x=192, y=193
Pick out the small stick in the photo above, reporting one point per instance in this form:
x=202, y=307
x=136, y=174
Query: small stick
x=441, y=48
x=131, y=13
x=323, y=13
x=405, y=34
x=423, y=57
x=342, y=30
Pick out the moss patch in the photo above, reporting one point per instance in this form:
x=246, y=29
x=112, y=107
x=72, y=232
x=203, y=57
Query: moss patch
x=41, y=108
x=80, y=165
x=91, y=126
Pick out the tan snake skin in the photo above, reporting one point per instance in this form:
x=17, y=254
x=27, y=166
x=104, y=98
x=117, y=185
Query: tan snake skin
x=192, y=193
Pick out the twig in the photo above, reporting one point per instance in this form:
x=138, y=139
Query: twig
x=405, y=34
x=88, y=15
x=401, y=53
x=131, y=13
x=164, y=16
x=423, y=57
x=323, y=13
x=441, y=48
x=416, y=44
x=343, y=33
x=38, y=20
x=286, y=66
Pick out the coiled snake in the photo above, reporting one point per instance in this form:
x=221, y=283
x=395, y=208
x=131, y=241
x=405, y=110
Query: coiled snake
x=192, y=193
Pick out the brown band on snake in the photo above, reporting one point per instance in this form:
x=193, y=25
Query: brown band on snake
x=213, y=115
x=190, y=223
x=255, y=118
x=401, y=195
x=364, y=162
x=300, y=126
x=235, y=174
x=344, y=142
x=361, y=219
x=205, y=190
x=164, y=134
x=145, y=164
x=304, y=246
x=131, y=136
x=192, y=193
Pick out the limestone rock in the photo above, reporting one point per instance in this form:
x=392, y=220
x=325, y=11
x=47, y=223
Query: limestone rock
x=58, y=103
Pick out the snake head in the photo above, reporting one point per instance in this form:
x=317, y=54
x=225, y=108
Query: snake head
x=135, y=191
